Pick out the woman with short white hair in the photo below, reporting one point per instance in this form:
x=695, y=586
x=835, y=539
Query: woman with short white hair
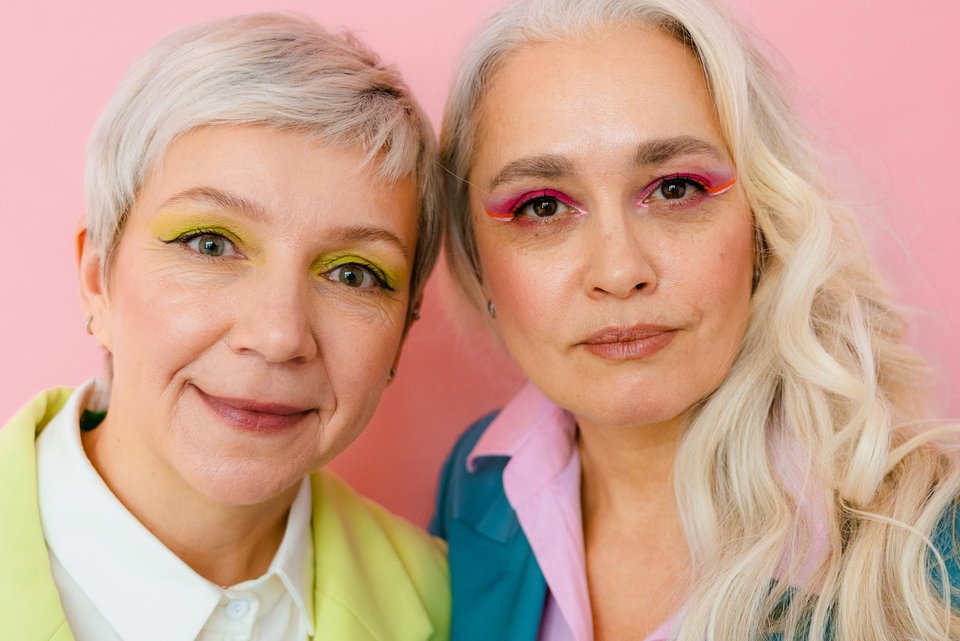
x=261, y=219
x=724, y=435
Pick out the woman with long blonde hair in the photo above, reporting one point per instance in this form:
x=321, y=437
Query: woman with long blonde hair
x=724, y=435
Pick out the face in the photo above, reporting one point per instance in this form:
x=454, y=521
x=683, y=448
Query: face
x=613, y=237
x=253, y=309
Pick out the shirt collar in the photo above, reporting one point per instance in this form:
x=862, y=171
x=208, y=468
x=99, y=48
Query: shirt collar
x=121, y=566
x=293, y=562
x=520, y=420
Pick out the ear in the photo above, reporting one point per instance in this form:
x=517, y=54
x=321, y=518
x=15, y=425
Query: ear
x=93, y=290
x=413, y=315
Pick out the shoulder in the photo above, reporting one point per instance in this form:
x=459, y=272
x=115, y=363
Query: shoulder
x=368, y=519
x=39, y=411
x=355, y=536
x=468, y=440
x=29, y=600
x=460, y=490
x=946, y=541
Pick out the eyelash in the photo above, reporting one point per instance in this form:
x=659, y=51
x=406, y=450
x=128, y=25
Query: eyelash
x=193, y=234
x=698, y=182
x=541, y=195
x=376, y=273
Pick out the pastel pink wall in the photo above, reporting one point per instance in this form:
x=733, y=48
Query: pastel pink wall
x=877, y=78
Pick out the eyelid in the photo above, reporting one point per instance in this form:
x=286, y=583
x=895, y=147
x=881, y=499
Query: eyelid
x=189, y=235
x=193, y=232
x=707, y=184
x=378, y=273
x=507, y=209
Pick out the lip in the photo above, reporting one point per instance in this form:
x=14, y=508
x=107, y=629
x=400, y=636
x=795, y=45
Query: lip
x=629, y=343
x=254, y=416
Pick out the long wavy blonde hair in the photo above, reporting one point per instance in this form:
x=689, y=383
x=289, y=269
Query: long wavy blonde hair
x=823, y=373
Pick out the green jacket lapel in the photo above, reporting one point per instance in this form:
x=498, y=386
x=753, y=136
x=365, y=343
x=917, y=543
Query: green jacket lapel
x=30, y=608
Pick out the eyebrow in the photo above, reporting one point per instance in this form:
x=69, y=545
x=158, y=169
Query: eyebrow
x=651, y=152
x=361, y=233
x=226, y=200
x=220, y=199
x=654, y=152
x=546, y=166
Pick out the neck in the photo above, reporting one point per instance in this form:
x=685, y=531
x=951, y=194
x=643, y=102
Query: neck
x=627, y=471
x=225, y=544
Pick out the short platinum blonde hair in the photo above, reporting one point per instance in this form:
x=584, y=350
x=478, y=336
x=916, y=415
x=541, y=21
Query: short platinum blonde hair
x=276, y=69
x=824, y=369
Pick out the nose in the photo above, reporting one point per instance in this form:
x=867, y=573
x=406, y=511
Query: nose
x=620, y=255
x=275, y=318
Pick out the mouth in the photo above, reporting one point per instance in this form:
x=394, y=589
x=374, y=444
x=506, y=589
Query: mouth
x=255, y=416
x=629, y=343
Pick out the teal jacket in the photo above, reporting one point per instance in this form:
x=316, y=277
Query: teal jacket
x=377, y=577
x=498, y=588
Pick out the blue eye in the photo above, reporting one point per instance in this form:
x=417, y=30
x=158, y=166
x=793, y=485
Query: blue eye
x=209, y=244
x=356, y=276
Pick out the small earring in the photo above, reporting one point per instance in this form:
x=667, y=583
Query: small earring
x=392, y=374
x=86, y=325
x=415, y=313
x=491, y=309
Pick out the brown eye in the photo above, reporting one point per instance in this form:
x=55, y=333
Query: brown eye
x=673, y=189
x=543, y=207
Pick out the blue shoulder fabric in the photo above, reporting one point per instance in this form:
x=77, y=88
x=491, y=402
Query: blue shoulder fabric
x=947, y=542
x=498, y=588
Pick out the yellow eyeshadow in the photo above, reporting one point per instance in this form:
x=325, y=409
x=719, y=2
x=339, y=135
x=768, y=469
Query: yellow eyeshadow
x=390, y=277
x=169, y=227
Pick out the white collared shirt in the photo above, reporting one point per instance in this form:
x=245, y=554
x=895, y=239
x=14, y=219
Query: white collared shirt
x=118, y=582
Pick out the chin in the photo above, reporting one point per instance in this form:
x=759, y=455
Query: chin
x=240, y=483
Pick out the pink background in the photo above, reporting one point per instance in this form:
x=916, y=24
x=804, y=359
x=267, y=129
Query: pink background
x=877, y=79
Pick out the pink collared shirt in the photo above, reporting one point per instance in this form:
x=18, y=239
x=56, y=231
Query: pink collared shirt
x=542, y=484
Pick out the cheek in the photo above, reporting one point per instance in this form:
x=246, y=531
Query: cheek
x=164, y=319
x=525, y=286
x=720, y=287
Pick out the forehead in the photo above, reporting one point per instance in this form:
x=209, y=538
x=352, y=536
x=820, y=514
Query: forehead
x=612, y=87
x=287, y=178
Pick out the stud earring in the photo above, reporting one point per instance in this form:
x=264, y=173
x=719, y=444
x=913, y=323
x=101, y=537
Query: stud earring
x=86, y=325
x=491, y=309
x=415, y=313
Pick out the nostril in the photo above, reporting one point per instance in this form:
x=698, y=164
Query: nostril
x=638, y=286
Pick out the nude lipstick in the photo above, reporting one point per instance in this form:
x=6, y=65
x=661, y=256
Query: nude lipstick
x=629, y=343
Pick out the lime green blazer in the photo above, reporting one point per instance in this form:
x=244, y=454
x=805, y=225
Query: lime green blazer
x=377, y=577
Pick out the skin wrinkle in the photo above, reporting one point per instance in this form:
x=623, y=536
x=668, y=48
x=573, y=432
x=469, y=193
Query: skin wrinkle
x=687, y=268
x=264, y=327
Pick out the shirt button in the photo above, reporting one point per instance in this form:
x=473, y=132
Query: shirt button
x=237, y=608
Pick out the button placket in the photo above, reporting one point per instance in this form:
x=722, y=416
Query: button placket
x=241, y=610
x=237, y=608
